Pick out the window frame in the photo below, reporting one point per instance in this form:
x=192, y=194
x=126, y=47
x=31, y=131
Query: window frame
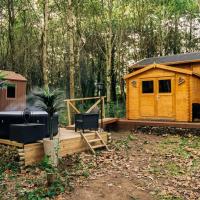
x=166, y=79
x=11, y=98
x=148, y=93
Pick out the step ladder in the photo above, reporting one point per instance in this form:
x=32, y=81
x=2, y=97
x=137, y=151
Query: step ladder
x=96, y=143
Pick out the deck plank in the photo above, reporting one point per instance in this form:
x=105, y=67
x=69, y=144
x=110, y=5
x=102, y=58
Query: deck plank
x=106, y=121
x=125, y=124
x=70, y=142
x=11, y=143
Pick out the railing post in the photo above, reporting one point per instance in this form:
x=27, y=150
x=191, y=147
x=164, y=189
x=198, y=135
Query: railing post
x=70, y=103
x=68, y=114
x=103, y=107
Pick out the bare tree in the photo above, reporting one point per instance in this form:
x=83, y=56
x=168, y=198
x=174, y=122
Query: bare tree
x=71, y=22
x=45, y=43
x=11, y=21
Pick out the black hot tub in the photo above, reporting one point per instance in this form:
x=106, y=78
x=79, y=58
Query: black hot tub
x=16, y=117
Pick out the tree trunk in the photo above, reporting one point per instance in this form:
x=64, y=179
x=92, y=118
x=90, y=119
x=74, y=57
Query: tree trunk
x=11, y=22
x=176, y=48
x=190, y=45
x=119, y=66
x=71, y=49
x=113, y=76
x=45, y=44
x=77, y=69
x=25, y=42
x=109, y=52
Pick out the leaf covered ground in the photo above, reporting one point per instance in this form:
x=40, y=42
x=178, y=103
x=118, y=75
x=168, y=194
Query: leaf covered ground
x=138, y=167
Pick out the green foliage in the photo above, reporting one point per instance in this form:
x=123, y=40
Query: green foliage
x=41, y=193
x=173, y=169
x=83, y=167
x=86, y=173
x=3, y=82
x=63, y=118
x=115, y=109
x=132, y=29
x=124, y=143
x=9, y=160
x=185, y=149
x=47, y=100
x=56, y=188
x=46, y=165
x=1, y=76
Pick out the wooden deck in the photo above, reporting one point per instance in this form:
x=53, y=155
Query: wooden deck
x=116, y=124
x=70, y=142
x=126, y=125
x=106, y=122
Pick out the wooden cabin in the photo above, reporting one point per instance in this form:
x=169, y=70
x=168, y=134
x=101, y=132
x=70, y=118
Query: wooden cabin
x=13, y=97
x=164, y=88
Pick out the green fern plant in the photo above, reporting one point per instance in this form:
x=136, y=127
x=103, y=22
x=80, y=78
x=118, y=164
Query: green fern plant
x=48, y=100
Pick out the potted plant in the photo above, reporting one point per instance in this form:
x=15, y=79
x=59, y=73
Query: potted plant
x=50, y=101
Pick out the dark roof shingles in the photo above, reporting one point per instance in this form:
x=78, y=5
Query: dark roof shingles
x=179, y=58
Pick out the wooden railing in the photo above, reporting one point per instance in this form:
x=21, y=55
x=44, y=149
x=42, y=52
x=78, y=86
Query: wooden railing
x=70, y=104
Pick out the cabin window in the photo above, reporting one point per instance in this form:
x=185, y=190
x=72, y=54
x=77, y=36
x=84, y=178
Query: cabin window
x=11, y=91
x=164, y=86
x=147, y=87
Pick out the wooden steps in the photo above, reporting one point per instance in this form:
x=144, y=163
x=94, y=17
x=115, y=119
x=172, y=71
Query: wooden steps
x=98, y=146
x=95, y=140
x=96, y=143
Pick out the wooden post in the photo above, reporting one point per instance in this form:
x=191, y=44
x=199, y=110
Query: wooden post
x=101, y=100
x=68, y=114
x=103, y=106
x=71, y=102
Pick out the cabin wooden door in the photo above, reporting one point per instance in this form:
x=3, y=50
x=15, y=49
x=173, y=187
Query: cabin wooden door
x=156, y=98
x=147, y=98
x=165, y=98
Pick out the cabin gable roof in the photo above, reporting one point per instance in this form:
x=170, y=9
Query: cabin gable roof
x=13, y=76
x=164, y=67
x=168, y=60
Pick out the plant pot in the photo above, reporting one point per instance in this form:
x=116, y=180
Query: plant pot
x=51, y=148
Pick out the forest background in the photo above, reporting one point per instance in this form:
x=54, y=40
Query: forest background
x=75, y=44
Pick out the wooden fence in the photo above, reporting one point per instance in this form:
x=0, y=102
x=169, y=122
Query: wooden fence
x=70, y=104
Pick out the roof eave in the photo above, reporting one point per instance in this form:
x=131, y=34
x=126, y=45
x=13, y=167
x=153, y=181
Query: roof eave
x=196, y=74
x=16, y=80
x=135, y=66
x=164, y=67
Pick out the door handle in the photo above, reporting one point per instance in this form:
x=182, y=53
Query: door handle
x=158, y=97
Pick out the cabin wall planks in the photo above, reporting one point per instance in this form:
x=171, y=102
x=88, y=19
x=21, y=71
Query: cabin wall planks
x=19, y=101
x=173, y=106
